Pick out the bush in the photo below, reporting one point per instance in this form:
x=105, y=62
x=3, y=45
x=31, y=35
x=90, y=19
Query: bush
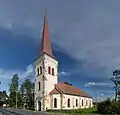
x=108, y=107
x=71, y=111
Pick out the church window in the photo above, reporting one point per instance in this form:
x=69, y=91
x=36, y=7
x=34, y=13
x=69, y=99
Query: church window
x=40, y=70
x=68, y=102
x=76, y=102
x=90, y=104
x=37, y=71
x=49, y=72
x=86, y=103
x=55, y=102
x=82, y=102
x=53, y=71
x=39, y=85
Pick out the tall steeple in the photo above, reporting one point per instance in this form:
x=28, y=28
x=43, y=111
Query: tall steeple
x=45, y=43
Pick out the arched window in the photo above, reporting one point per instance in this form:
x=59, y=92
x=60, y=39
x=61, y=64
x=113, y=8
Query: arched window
x=76, y=102
x=68, y=102
x=53, y=71
x=40, y=70
x=86, y=103
x=55, y=102
x=39, y=85
x=37, y=71
x=49, y=72
x=90, y=103
x=82, y=102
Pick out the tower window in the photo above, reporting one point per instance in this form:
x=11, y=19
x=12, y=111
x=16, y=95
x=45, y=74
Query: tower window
x=40, y=70
x=39, y=84
x=76, y=102
x=68, y=102
x=49, y=72
x=37, y=71
x=53, y=71
x=55, y=102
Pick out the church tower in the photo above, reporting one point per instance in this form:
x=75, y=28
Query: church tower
x=46, y=71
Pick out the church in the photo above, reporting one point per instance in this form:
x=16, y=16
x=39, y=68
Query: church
x=49, y=92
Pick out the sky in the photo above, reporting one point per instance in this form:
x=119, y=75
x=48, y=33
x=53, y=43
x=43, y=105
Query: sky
x=85, y=40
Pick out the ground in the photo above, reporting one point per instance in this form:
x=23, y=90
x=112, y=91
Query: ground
x=9, y=111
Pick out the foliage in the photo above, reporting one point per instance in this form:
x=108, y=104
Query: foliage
x=109, y=107
x=116, y=81
x=24, y=94
x=3, y=98
x=13, y=89
x=27, y=93
x=91, y=111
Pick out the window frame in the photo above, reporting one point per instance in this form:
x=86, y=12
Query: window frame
x=82, y=102
x=53, y=72
x=55, y=102
x=39, y=86
x=76, y=102
x=40, y=70
x=68, y=102
x=49, y=70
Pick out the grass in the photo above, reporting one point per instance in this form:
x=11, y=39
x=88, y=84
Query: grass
x=89, y=111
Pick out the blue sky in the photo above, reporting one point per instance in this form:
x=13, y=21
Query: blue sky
x=84, y=34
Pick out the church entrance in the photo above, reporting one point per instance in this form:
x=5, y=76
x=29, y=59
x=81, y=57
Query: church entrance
x=39, y=104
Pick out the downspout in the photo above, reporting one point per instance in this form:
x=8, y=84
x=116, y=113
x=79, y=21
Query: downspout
x=43, y=86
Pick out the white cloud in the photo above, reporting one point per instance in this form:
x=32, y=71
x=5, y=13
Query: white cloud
x=6, y=75
x=89, y=84
x=63, y=73
x=86, y=31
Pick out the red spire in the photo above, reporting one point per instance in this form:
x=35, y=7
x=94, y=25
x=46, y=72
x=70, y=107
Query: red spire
x=46, y=44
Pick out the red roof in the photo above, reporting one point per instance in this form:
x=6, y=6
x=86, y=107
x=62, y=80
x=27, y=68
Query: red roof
x=45, y=43
x=68, y=89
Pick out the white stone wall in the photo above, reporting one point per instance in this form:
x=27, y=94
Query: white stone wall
x=72, y=102
x=50, y=79
x=58, y=101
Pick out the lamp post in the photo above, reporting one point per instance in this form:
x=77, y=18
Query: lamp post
x=16, y=98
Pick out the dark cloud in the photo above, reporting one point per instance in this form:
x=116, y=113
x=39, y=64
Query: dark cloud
x=86, y=31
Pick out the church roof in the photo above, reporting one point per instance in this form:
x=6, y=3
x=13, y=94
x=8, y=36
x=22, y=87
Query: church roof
x=68, y=89
x=45, y=43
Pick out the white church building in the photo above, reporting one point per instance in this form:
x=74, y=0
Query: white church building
x=49, y=93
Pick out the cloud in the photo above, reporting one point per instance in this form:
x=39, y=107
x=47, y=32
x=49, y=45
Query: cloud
x=28, y=72
x=89, y=84
x=63, y=73
x=86, y=31
x=6, y=75
x=93, y=29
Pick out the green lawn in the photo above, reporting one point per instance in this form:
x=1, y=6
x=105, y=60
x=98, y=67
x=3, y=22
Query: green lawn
x=90, y=111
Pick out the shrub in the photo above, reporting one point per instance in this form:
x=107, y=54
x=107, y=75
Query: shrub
x=108, y=107
x=71, y=111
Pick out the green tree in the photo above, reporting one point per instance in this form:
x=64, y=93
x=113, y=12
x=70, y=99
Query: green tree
x=116, y=81
x=3, y=98
x=27, y=89
x=22, y=95
x=13, y=89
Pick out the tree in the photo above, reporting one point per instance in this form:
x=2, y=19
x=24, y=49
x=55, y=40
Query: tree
x=116, y=81
x=27, y=89
x=13, y=89
x=22, y=95
x=3, y=98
